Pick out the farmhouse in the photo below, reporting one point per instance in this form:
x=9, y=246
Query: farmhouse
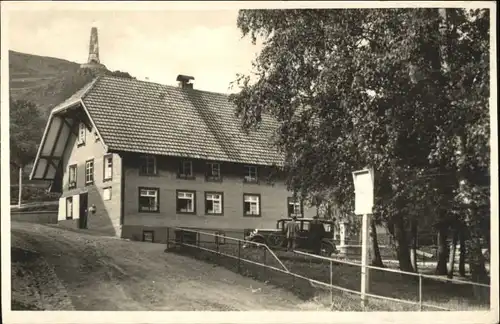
x=131, y=158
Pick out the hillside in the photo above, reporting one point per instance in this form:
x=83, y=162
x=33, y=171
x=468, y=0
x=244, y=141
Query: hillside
x=40, y=79
x=47, y=81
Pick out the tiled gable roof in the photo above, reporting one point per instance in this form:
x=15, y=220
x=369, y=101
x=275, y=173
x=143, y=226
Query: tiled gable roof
x=150, y=118
x=76, y=97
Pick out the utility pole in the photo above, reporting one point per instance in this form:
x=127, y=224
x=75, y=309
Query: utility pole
x=20, y=193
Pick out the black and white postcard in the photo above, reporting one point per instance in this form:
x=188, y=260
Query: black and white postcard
x=249, y=162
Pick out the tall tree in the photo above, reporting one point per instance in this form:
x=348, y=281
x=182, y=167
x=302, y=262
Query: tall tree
x=25, y=124
x=359, y=87
x=462, y=143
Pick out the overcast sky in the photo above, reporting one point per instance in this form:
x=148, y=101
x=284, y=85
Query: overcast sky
x=155, y=44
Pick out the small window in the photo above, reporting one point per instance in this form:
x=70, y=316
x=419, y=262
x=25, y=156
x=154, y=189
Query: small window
x=96, y=136
x=306, y=226
x=148, y=236
x=108, y=167
x=213, y=203
x=185, y=169
x=148, y=200
x=106, y=193
x=69, y=208
x=295, y=208
x=89, y=172
x=186, y=202
x=148, y=165
x=251, y=205
x=82, y=131
x=213, y=172
x=250, y=173
x=220, y=238
x=72, y=176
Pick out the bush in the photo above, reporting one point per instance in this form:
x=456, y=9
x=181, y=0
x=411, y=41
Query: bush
x=31, y=194
x=53, y=208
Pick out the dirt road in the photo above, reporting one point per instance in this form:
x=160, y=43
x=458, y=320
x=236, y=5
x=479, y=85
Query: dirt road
x=57, y=269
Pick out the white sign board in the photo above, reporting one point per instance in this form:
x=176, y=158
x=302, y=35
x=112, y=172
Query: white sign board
x=363, y=189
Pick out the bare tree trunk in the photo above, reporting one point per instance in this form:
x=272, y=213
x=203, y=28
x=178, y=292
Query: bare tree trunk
x=478, y=270
x=376, y=257
x=452, y=254
x=478, y=266
x=403, y=250
x=441, y=268
x=20, y=186
x=414, y=246
x=461, y=262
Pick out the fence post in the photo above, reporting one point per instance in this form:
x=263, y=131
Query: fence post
x=420, y=291
x=217, y=243
x=239, y=256
x=331, y=282
x=168, y=239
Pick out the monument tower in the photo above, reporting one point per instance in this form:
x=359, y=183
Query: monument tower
x=93, y=61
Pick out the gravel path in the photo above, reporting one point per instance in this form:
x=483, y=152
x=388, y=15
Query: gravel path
x=57, y=269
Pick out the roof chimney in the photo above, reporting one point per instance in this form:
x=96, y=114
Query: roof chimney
x=184, y=81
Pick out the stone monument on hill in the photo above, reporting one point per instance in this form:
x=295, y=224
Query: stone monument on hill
x=93, y=61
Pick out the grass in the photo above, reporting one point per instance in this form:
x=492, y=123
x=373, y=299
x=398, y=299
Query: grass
x=447, y=295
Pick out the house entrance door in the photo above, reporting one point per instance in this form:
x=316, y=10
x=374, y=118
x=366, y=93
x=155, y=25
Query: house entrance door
x=83, y=210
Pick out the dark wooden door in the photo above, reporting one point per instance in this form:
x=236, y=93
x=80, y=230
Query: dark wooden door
x=83, y=210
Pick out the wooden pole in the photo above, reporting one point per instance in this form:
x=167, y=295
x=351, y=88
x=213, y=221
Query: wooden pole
x=217, y=243
x=168, y=238
x=239, y=256
x=364, y=259
x=331, y=283
x=420, y=292
x=20, y=197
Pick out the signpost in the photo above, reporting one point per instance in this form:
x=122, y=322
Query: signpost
x=364, y=199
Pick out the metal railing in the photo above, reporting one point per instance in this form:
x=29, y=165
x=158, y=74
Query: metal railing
x=419, y=275
x=240, y=243
x=313, y=282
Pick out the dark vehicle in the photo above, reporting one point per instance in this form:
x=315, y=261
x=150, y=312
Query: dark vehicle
x=275, y=239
